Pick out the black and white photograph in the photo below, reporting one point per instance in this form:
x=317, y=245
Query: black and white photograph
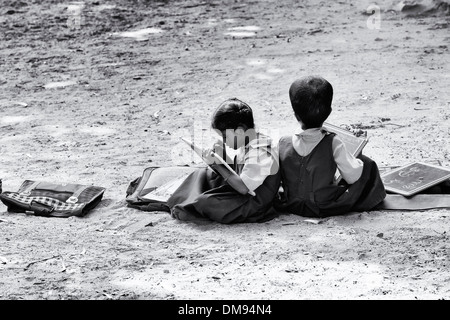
x=243, y=151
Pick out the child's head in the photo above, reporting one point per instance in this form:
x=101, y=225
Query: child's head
x=232, y=114
x=233, y=119
x=311, y=98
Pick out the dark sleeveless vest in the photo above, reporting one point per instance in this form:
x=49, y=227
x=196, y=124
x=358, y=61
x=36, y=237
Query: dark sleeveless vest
x=307, y=181
x=308, y=187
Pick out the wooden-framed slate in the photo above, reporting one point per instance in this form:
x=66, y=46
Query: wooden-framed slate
x=352, y=143
x=414, y=177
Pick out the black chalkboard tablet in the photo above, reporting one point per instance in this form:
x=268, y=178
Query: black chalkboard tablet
x=414, y=177
x=352, y=143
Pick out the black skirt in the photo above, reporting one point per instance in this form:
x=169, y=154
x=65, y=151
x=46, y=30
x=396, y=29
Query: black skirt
x=205, y=195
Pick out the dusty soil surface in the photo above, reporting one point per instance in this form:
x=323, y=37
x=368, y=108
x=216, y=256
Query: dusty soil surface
x=82, y=101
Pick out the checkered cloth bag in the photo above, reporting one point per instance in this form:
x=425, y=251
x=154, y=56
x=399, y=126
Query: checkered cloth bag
x=53, y=200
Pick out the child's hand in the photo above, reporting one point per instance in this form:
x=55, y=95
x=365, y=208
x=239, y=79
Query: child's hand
x=208, y=153
x=208, y=156
x=218, y=148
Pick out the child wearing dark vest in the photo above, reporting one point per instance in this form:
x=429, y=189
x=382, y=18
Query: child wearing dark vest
x=309, y=159
x=207, y=195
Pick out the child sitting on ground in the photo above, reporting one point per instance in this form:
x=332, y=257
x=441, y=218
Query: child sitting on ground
x=206, y=195
x=308, y=161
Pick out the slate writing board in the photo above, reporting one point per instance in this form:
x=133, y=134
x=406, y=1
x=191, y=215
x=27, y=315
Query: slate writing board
x=352, y=143
x=414, y=177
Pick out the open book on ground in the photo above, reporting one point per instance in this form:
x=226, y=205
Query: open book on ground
x=163, y=192
x=156, y=185
x=352, y=143
x=152, y=190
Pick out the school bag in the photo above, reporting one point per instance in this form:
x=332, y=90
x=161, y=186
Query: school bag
x=49, y=199
x=152, y=189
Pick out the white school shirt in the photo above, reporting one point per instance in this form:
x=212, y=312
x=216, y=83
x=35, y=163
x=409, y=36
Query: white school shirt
x=260, y=160
x=348, y=165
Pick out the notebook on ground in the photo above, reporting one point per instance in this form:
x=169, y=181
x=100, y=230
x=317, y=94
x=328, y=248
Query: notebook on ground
x=153, y=188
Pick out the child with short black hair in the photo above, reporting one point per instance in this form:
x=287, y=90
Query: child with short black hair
x=206, y=195
x=308, y=161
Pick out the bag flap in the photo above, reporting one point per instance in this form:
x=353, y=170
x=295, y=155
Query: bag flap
x=137, y=185
x=49, y=186
x=154, y=180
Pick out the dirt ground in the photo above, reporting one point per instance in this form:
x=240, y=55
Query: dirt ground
x=82, y=100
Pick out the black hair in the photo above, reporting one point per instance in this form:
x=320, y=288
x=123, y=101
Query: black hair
x=311, y=99
x=231, y=114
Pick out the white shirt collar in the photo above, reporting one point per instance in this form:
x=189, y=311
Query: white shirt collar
x=310, y=134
